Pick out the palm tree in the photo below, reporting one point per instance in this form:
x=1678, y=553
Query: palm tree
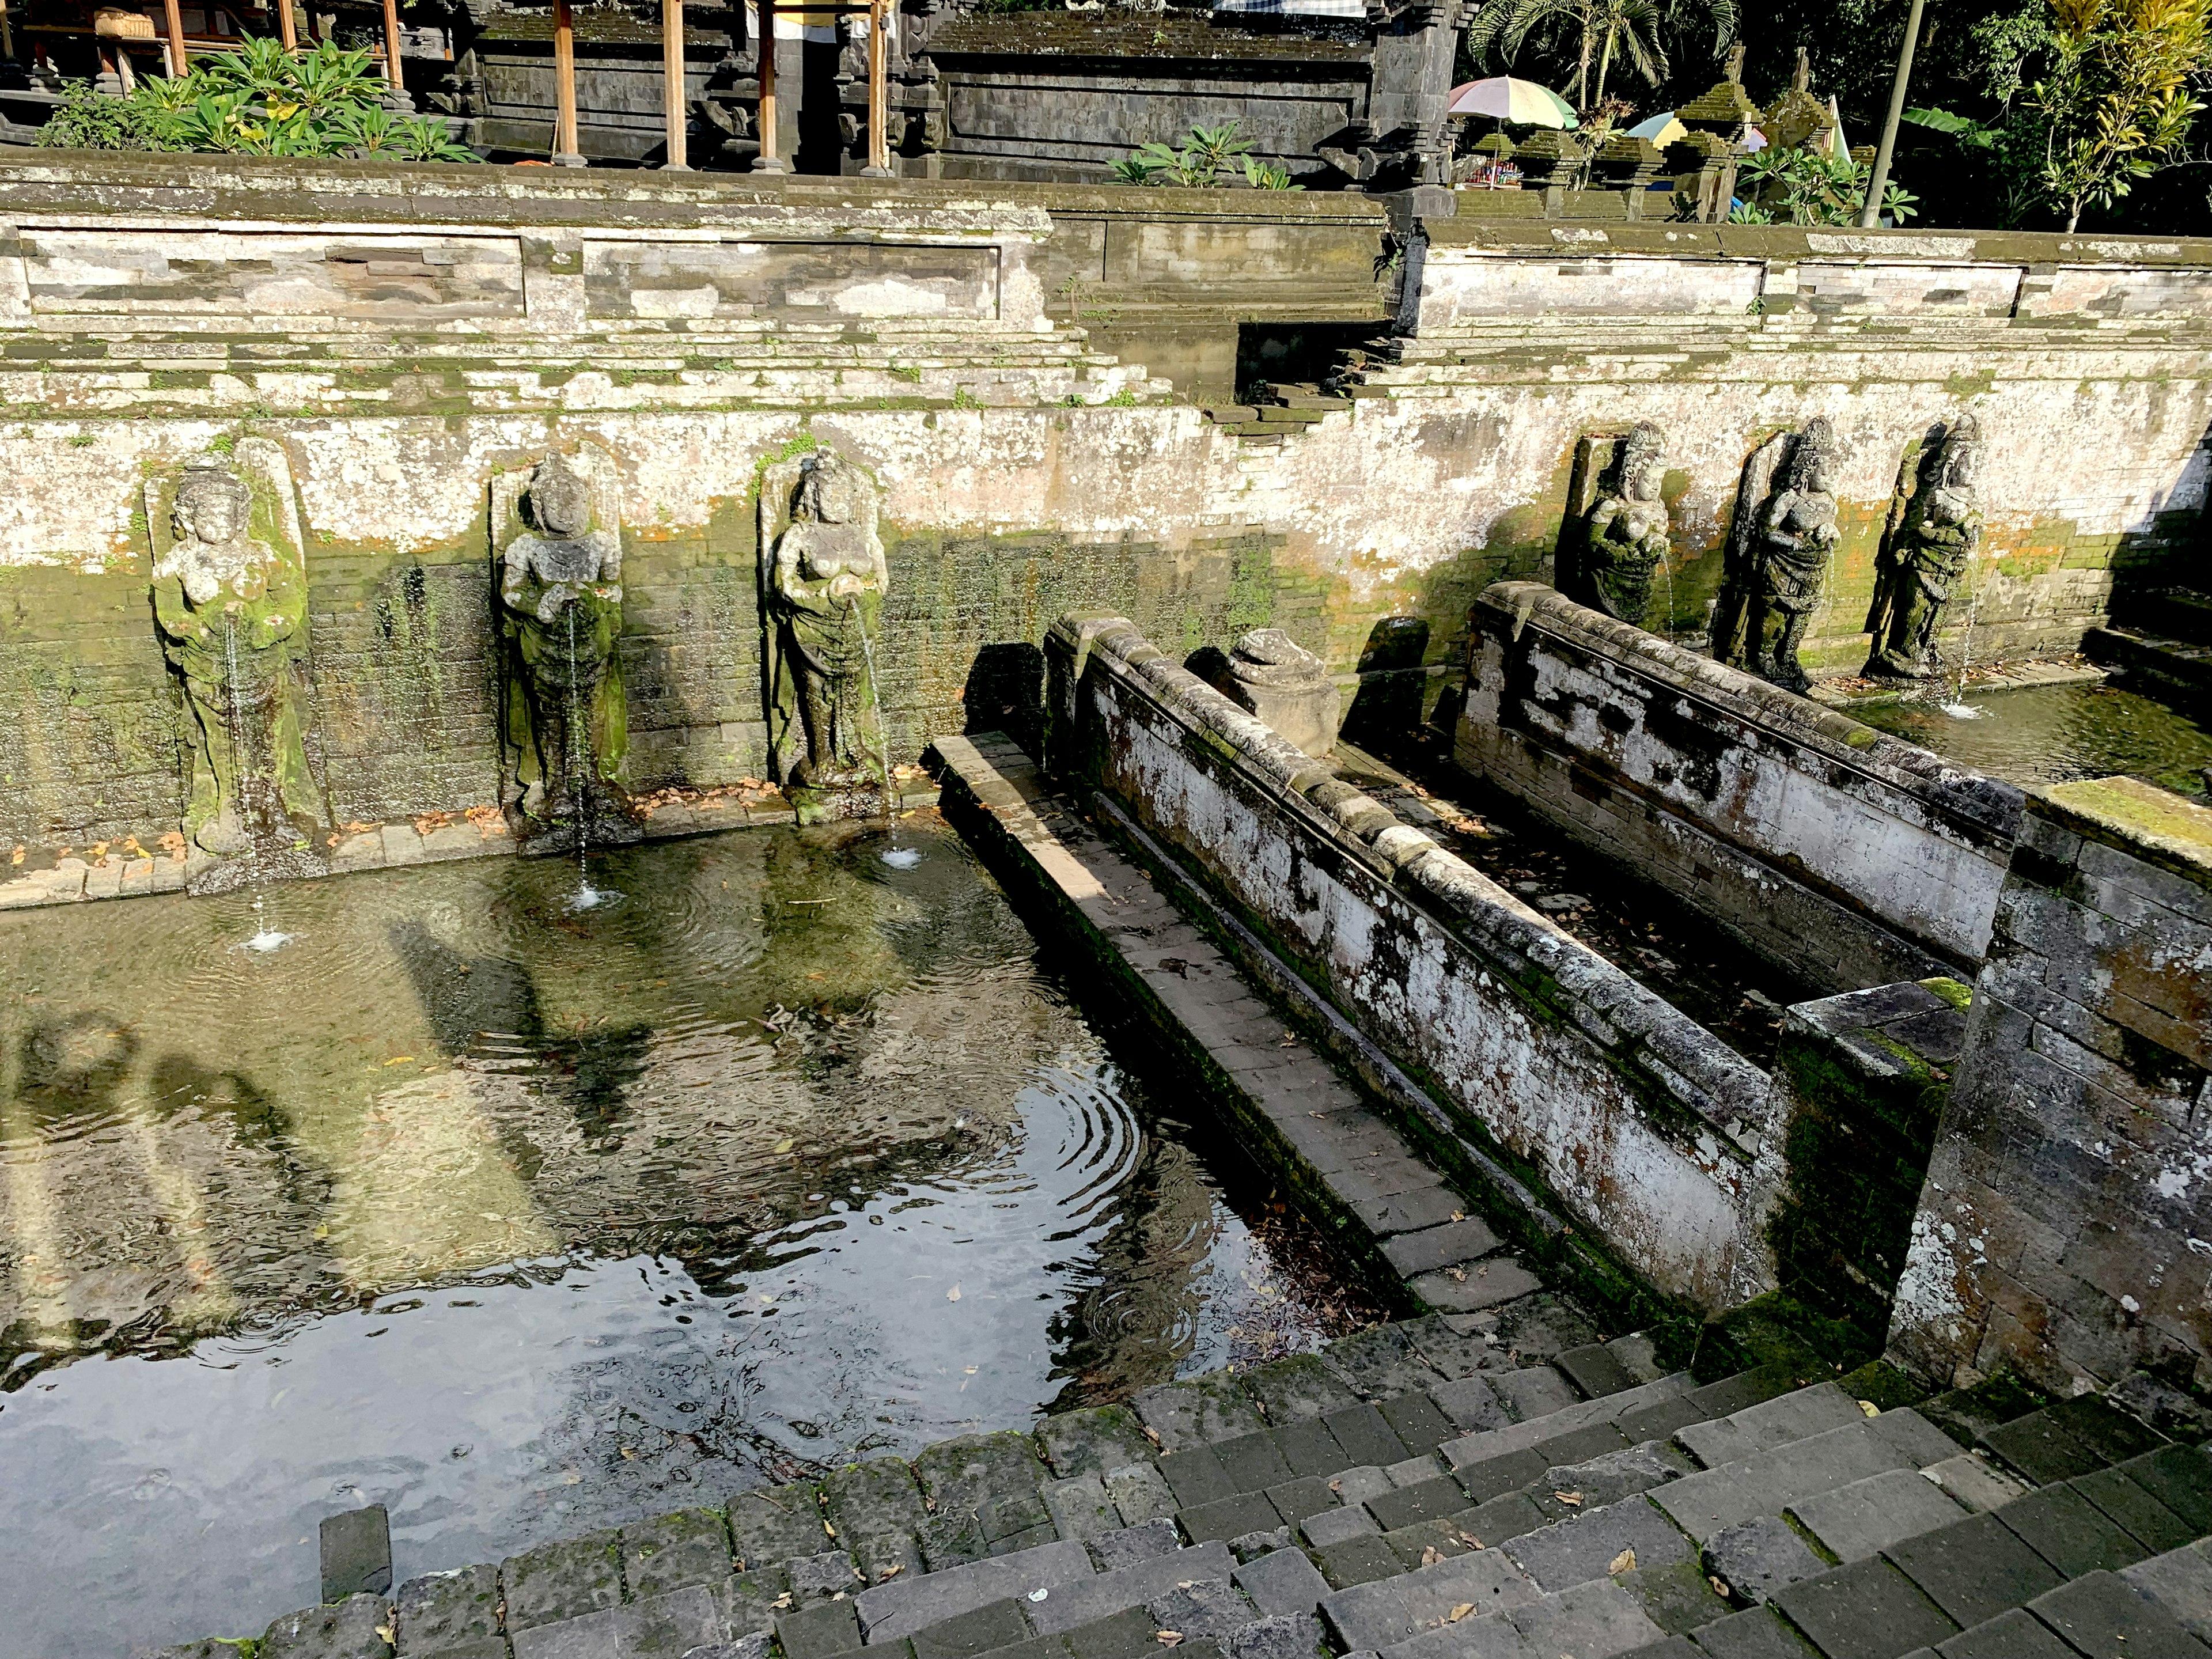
x=1600, y=29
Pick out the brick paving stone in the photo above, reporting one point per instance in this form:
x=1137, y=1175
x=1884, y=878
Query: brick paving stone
x=2102, y=1616
x=1866, y=1517
x=1365, y=1437
x=1229, y=1517
x=1974, y=1482
x=1422, y=1206
x=1425, y=1541
x=687, y=1547
x=1492, y=1637
x=1130, y=1545
x=819, y=1632
x=1417, y=1420
x=1082, y=1601
x=1358, y=1561
x=1413, y=1471
x=1379, y=1361
x=1733, y=1394
x=1432, y=1248
x=1198, y=1412
x=1669, y=1647
x=2181, y=1581
x=2153, y=1525
x=769, y=1527
x=2015, y=1635
x=1093, y=1441
x=1377, y=1615
x=1252, y=1462
x=1128, y=1634
x=1496, y=1476
x=1296, y=1390
x=1139, y=1493
x=2103, y=1428
x=1282, y=1582
x=1196, y=1476
x=1756, y=1558
x=442, y=1610
x=1611, y=1477
x=1334, y=1526
x=978, y=1631
x=985, y=1489
x=1431, y=1500
x=563, y=1580
x=2068, y=1531
x=352, y=1629
x=2038, y=1446
x=1661, y=1419
x=1471, y=1404
x=356, y=1552
x=1758, y=1634
x=1585, y=1548
x=1677, y=1596
x=1639, y=1355
x=1592, y=1440
x=1593, y=1621
x=1505, y=1517
x=1595, y=1371
x=825, y=1574
x=2179, y=1477
x=1201, y=1609
x=1308, y=1446
x=1484, y=1284
x=1357, y=1485
x=1973, y=1568
x=1867, y=1610
x=1773, y=1480
x=1080, y=1508
x=1778, y=1422
x=1275, y=1636
x=1037, y=1647
x=1294, y=1500
x=906, y=1604
x=748, y=1600
x=660, y=1627
x=1913, y=1436
x=1532, y=1391
x=1455, y=1353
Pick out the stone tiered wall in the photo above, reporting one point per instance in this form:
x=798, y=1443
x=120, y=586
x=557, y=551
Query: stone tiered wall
x=1847, y=858
x=1641, y=1122
x=2066, y=1227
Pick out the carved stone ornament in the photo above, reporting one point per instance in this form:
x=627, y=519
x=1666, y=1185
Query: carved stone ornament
x=557, y=535
x=1623, y=538
x=1286, y=686
x=1935, y=530
x=822, y=580
x=229, y=590
x=1778, y=550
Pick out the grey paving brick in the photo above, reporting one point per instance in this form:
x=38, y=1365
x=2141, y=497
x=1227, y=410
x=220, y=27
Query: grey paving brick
x=2102, y=1617
x=1677, y=1597
x=1037, y=1647
x=1661, y=1419
x=1431, y=1500
x=1594, y=1369
x=1612, y=1476
x=1275, y=1636
x=1427, y=1541
x=1668, y=1647
x=1507, y=1515
x=2153, y=1525
x=2038, y=1446
x=2068, y=1531
x=1867, y=1610
x=1973, y=1568
x=2179, y=1477
x=1417, y=1421
x=351, y=1629
x=1494, y=1477
x=563, y=1580
x=1471, y=1404
x=906, y=1604
x=687, y=1547
x=1494, y=1636
x=1758, y=1634
x=1128, y=1634
x=1198, y=1412
x=817, y=1631
x=1357, y=1485
x=1093, y=1441
x=1582, y=1445
x=1294, y=1500
x=748, y=1600
x=2181, y=1581
x=819, y=1577
x=1756, y=1558
x=356, y=1552
x=1866, y=1517
x=1229, y=1517
x=986, y=1492
x=1532, y=1391
x=1380, y=1361
x=1365, y=1437
x=1334, y=1526
x=1201, y=1609
x=1380, y=1614
x=442, y=1610
x=1575, y=1552
x=1974, y=1482
x=1196, y=1476
x=1252, y=1462
x=755, y=1646
x=1594, y=1620
x=1914, y=1437
x=1406, y=1212
x=1771, y=1481
x=1638, y=1354
x=1358, y=1561
x=1250, y=1546
x=1454, y=1352
x=1733, y=1394
x=1445, y=1246
x=1091, y=1599
x=1282, y=1582
x=772, y=1526
x=2015, y=1635
x=978, y=1631
x=1413, y=1471
x=1308, y=1448
x=1778, y=1422
x=2103, y=1428
x=1139, y=1493
x=1080, y=1508
x=1297, y=1390
x=1130, y=1545
x=1484, y=1283
x=665, y=1626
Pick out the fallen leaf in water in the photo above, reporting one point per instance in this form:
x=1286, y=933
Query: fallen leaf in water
x=1459, y=1613
x=1624, y=1561
x=785, y=1145
x=631, y=1452
x=952, y=1295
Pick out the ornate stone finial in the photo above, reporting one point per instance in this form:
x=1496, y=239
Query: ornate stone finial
x=1735, y=62
x=1801, y=81
x=1816, y=449
x=1284, y=685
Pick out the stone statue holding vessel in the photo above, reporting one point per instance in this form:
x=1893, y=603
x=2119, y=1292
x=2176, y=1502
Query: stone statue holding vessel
x=1778, y=554
x=1625, y=533
x=1934, y=531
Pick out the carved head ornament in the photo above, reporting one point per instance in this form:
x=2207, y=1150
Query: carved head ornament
x=1815, y=454
x=832, y=491
x=1961, y=454
x=213, y=505
x=1642, y=450
x=559, y=498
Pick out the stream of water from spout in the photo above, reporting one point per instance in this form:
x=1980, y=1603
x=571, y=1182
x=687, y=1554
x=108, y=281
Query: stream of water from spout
x=265, y=938
x=1959, y=708
x=899, y=858
x=588, y=897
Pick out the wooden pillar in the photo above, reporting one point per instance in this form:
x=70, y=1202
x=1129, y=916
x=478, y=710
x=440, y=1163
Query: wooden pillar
x=879, y=55
x=391, y=45
x=672, y=65
x=767, y=161
x=285, y=30
x=567, y=151
x=176, y=20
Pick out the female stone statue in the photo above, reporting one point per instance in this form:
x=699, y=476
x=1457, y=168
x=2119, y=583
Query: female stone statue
x=1938, y=534
x=1796, y=533
x=561, y=595
x=1626, y=537
x=229, y=603
x=825, y=579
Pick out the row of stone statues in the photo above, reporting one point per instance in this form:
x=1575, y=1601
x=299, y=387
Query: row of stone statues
x=229, y=593
x=1780, y=544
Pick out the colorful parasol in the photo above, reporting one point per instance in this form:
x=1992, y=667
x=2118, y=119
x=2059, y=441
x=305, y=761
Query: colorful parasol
x=1505, y=99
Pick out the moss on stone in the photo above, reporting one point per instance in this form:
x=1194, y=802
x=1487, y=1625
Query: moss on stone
x=1958, y=995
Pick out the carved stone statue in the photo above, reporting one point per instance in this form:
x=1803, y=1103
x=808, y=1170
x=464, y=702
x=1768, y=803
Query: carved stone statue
x=230, y=597
x=1777, y=556
x=1935, y=530
x=1625, y=532
x=822, y=580
x=560, y=590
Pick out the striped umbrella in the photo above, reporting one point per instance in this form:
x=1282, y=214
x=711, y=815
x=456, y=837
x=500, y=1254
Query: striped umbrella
x=1505, y=99
x=1662, y=129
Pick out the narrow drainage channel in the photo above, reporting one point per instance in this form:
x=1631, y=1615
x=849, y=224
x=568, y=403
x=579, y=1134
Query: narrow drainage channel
x=523, y=1217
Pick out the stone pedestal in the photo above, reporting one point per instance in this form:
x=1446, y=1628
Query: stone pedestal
x=1286, y=685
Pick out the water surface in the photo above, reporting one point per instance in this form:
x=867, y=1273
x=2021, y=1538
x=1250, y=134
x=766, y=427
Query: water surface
x=2055, y=733
x=521, y=1219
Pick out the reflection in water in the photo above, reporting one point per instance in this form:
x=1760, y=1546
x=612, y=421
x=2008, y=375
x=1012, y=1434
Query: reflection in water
x=521, y=1220
x=2052, y=734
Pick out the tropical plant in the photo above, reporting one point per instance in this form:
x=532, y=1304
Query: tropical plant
x=1200, y=163
x=1797, y=187
x=2119, y=99
x=1594, y=32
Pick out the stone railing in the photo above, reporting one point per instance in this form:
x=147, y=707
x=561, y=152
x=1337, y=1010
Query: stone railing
x=1847, y=858
x=1642, y=1125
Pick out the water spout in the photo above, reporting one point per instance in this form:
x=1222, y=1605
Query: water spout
x=882, y=732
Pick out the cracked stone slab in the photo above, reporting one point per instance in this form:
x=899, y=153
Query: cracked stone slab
x=1093, y=1441
x=660, y=1627
x=1558, y=1558
x=1277, y=1636
x=1756, y=1558
x=1198, y=1412
x=1130, y=1545
x=1202, y=1609
x=904, y=1606
x=447, y=1609
x=1866, y=1517
x=1392, y=1610
x=563, y=1580
x=352, y=1629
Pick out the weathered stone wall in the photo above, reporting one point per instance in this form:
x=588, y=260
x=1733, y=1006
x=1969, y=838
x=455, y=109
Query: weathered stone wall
x=2066, y=1226
x=1641, y=1122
